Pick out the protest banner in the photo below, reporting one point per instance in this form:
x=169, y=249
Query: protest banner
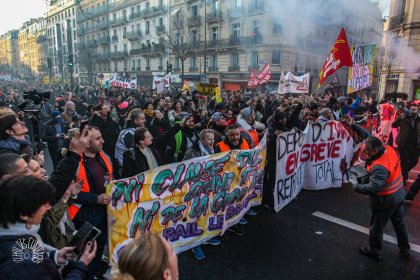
x=119, y=81
x=187, y=202
x=290, y=83
x=207, y=89
x=160, y=83
x=264, y=75
x=361, y=72
x=310, y=159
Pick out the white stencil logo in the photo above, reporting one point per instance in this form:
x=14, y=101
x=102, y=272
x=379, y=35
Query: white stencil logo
x=28, y=249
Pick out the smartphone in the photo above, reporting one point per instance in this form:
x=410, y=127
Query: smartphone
x=83, y=124
x=87, y=233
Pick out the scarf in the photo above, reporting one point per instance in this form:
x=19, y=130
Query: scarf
x=205, y=151
x=20, y=229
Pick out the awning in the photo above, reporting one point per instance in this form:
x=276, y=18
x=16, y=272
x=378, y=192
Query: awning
x=230, y=86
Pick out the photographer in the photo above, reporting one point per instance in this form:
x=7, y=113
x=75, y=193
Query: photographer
x=408, y=139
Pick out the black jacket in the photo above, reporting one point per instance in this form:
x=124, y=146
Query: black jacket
x=50, y=134
x=405, y=126
x=135, y=162
x=170, y=151
x=28, y=269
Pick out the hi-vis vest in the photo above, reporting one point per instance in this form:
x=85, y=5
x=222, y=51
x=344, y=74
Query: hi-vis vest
x=390, y=161
x=225, y=147
x=74, y=208
x=253, y=136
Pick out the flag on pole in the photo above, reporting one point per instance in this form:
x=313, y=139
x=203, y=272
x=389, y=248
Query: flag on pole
x=252, y=80
x=264, y=75
x=339, y=56
x=282, y=82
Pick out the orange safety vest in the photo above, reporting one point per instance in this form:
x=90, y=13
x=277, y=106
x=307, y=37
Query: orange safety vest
x=390, y=161
x=253, y=135
x=74, y=208
x=225, y=147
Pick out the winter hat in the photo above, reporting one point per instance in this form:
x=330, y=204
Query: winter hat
x=216, y=116
x=247, y=112
x=55, y=114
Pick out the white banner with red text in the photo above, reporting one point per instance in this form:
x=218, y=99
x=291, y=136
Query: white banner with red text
x=312, y=159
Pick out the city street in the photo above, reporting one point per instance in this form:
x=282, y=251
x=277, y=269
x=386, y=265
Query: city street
x=296, y=244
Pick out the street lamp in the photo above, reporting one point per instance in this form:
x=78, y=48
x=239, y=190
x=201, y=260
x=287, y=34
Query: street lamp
x=205, y=36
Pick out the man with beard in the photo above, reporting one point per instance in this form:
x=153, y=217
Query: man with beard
x=182, y=141
x=95, y=171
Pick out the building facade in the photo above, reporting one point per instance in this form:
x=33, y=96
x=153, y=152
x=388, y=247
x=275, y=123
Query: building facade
x=400, y=71
x=62, y=41
x=9, y=53
x=32, y=49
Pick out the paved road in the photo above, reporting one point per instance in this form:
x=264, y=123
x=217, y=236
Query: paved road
x=295, y=244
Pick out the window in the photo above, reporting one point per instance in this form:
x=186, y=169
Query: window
x=114, y=16
x=194, y=36
x=275, y=58
x=194, y=10
x=138, y=63
x=148, y=62
x=125, y=65
x=256, y=26
x=124, y=14
x=254, y=59
x=178, y=38
x=234, y=60
x=215, y=33
x=146, y=6
x=161, y=21
x=276, y=29
x=213, y=61
x=237, y=4
x=125, y=47
x=114, y=32
x=236, y=30
x=160, y=62
x=193, y=61
x=147, y=31
x=124, y=32
x=178, y=63
x=215, y=7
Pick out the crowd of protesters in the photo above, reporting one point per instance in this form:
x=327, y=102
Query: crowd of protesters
x=132, y=131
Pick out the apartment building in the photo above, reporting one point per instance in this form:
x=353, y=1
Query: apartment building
x=9, y=53
x=400, y=71
x=222, y=39
x=62, y=41
x=32, y=49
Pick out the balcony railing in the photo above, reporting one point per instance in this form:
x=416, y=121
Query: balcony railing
x=136, y=51
x=104, y=40
x=103, y=56
x=213, y=69
x=236, y=12
x=234, y=68
x=193, y=69
x=147, y=68
x=195, y=20
x=215, y=16
x=134, y=35
x=134, y=15
x=118, y=21
x=256, y=9
x=114, y=38
x=104, y=24
x=119, y=55
x=396, y=21
x=91, y=43
x=178, y=23
x=160, y=29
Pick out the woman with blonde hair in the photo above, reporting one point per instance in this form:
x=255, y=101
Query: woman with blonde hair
x=149, y=257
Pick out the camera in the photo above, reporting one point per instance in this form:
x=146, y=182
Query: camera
x=87, y=233
x=37, y=97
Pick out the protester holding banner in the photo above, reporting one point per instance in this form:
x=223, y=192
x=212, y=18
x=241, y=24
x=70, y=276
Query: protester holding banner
x=143, y=156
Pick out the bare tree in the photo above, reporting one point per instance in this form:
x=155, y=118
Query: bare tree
x=86, y=59
x=181, y=40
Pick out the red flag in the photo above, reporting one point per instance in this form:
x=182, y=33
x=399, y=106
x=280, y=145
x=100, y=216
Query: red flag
x=252, y=80
x=339, y=56
x=264, y=75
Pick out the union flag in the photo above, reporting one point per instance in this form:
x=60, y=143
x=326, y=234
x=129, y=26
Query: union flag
x=339, y=56
x=252, y=80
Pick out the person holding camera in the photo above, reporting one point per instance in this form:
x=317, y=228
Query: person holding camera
x=385, y=188
x=408, y=139
x=54, y=133
x=23, y=254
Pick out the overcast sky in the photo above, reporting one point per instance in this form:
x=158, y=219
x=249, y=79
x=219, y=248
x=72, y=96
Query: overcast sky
x=14, y=13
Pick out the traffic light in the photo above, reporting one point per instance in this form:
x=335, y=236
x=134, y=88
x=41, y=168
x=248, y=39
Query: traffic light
x=168, y=68
x=70, y=60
